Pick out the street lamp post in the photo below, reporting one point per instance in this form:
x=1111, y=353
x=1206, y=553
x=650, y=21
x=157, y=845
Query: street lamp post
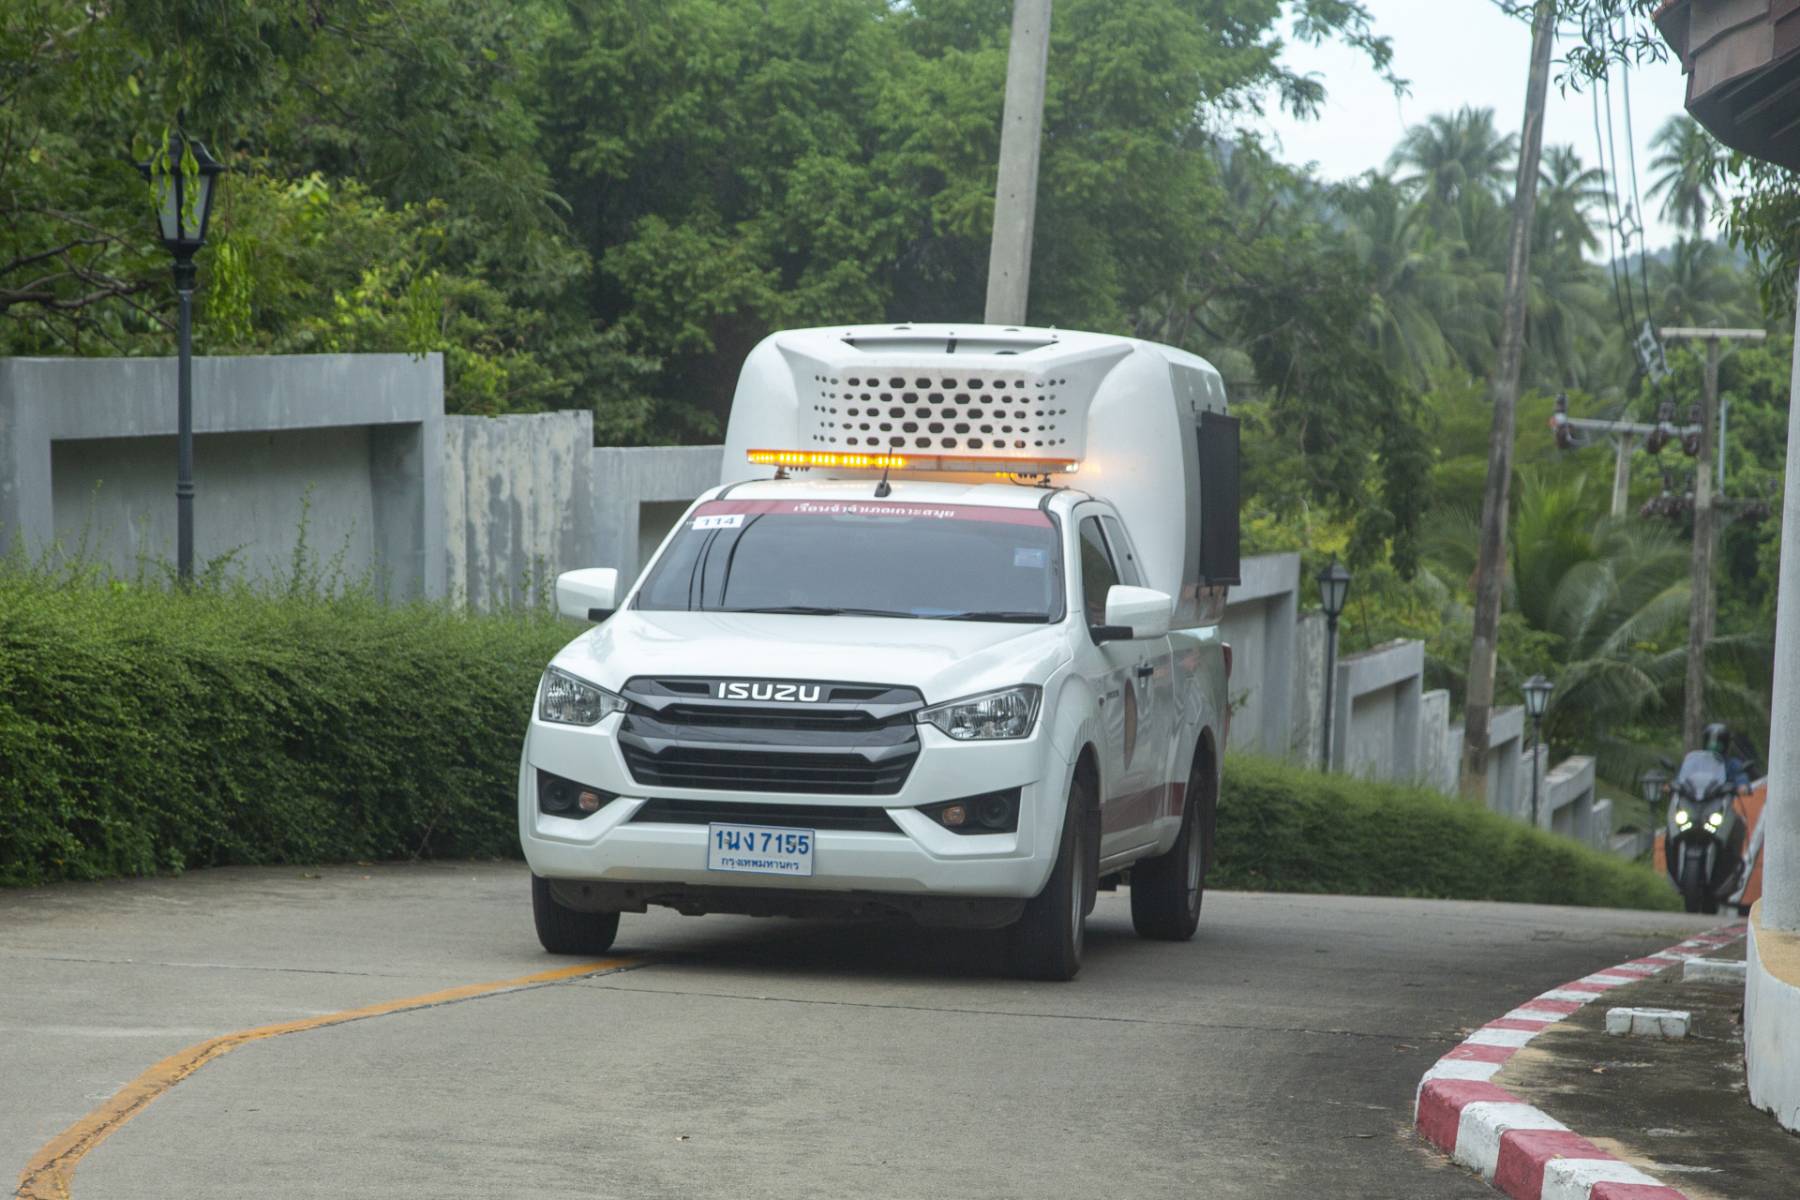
x=1537, y=699
x=1334, y=591
x=1650, y=786
x=182, y=187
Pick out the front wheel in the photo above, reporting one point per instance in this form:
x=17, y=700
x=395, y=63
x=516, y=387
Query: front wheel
x=565, y=930
x=1046, y=942
x=1693, y=883
x=1166, y=891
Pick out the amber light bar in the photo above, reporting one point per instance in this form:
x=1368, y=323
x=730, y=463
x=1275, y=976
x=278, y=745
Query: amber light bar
x=911, y=462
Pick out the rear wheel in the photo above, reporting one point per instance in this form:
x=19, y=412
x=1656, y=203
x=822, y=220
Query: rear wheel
x=565, y=930
x=1166, y=891
x=1046, y=942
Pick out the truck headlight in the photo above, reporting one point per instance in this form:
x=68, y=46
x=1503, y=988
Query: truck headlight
x=566, y=700
x=1003, y=714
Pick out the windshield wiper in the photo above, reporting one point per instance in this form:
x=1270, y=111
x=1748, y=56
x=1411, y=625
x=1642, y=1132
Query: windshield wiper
x=1034, y=618
x=811, y=610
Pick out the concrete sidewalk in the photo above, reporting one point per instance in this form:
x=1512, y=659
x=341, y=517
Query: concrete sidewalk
x=1674, y=1109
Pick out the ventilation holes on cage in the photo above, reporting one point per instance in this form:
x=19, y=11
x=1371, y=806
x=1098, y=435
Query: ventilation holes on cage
x=935, y=398
x=896, y=411
x=975, y=443
x=896, y=382
x=962, y=397
x=850, y=441
x=935, y=427
x=921, y=383
x=864, y=427
x=961, y=427
x=909, y=427
x=922, y=443
x=987, y=429
x=950, y=385
x=1000, y=384
x=886, y=427
x=922, y=412
x=949, y=443
x=975, y=385
x=1006, y=429
x=909, y=397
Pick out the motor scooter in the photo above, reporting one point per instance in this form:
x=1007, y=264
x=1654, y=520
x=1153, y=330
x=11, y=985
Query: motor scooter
x=1705, y=833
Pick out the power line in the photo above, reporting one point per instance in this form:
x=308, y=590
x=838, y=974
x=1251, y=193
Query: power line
x=1612, y=256
x=1636, y=199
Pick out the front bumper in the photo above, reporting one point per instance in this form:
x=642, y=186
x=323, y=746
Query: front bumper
x=922, y=859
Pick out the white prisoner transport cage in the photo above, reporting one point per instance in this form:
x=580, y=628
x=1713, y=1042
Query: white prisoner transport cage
x=1142, y=425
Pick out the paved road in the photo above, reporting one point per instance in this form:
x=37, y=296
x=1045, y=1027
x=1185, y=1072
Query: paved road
x=1274, y=1056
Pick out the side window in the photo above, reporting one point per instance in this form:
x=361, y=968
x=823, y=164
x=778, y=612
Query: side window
x=1129, y=574
x=1097, y=573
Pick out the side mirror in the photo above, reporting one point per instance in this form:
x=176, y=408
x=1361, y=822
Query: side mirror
x=590, y=594
x=1144, y=611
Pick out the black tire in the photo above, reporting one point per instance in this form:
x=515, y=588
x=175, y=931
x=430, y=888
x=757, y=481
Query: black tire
x=1693, y=884
x=1167, y=891
x=1046, y=942
x=564, y=930
x=1743, y=910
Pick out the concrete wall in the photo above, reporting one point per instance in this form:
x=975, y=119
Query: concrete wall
x=1259, y=626
x=1375, y=715
x=518, y=496
x=1440, y=746
x=352, y=444
x=638, y=495
x=1567, y=803
x=1307, y=720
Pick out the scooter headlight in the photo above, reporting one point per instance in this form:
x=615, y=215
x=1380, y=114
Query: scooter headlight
x=1714, y=820
x=1683, y=817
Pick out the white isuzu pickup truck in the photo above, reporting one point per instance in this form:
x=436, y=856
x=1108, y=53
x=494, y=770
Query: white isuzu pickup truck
x=944, y=643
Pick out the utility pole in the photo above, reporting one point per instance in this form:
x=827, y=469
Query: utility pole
x=1490, y=565
x=1021, y=138
x=1700, y=612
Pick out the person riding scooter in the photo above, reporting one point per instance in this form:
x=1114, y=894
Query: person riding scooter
x=1705, y=831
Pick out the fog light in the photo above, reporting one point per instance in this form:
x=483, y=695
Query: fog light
x=995, y=810
x=588, y=802
x=557, y=795
x=954, y=815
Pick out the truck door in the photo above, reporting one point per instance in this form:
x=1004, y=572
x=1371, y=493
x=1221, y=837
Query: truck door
x=1154, y=679
x=1110, y=668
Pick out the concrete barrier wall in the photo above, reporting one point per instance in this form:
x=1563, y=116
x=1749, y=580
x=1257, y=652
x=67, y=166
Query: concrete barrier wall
x=1260, y=627
x=518, y=499
x=639, y=493
x=1375, y=715
x=350, y=444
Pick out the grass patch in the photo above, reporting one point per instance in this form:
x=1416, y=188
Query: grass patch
x=1285, y=829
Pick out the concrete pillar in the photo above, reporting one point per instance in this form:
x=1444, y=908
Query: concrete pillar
x=1781, y=818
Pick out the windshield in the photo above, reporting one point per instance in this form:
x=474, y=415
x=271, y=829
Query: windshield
x=1700, y=771
x=864, y=558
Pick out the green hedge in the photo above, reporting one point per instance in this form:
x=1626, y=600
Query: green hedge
x=143, y=730
x=1284, y=829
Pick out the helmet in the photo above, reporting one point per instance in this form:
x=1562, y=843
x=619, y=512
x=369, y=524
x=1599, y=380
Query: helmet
x=1717, y=738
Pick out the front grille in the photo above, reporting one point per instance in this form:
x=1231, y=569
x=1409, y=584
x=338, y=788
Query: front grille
x=855, y=739
x=795, y=816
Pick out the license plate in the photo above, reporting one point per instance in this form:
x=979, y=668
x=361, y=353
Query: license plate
x=760, y=849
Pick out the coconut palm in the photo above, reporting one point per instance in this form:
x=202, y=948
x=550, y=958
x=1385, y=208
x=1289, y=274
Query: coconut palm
x=1696, y=286
x=1414, y=286
x=1687, y=166
x=1453, y=155
x=1568, y=191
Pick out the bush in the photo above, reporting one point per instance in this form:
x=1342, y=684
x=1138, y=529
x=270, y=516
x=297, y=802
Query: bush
x=1286, y=829
x=145, y=730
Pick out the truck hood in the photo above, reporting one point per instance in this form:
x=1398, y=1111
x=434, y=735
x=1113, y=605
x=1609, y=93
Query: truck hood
x=943, y=659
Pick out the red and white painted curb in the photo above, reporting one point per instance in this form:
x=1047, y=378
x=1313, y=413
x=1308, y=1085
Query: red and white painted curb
x=1522, y=1150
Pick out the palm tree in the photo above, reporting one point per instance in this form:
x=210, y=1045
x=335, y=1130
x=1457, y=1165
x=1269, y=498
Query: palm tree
x=1567, y=192
x=1414, y=287
x=1452, y=156
x=1688, y=166
x=1697, y=287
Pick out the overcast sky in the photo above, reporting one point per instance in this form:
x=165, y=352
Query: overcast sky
x=1456, y=52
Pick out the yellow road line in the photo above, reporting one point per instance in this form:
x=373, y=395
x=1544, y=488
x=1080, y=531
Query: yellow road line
x=51, y=1172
